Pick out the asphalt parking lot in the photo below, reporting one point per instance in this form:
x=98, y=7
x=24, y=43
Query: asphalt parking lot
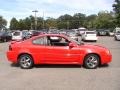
x=62, y=77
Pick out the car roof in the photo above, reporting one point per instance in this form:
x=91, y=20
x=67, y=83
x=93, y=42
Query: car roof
x=49, y=35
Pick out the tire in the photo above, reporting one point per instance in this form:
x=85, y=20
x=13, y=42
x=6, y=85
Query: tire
x=23, y=38
x=82, y=39
x=77, y=39
x=25, y=61
x=4, y=40
x=91, y=61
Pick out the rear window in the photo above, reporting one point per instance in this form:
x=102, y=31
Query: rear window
x=16, y=33
x=90, y=33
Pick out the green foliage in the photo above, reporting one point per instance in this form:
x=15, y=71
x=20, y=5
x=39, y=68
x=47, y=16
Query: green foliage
x=90, y=21
x=79, y=19
x=3, y=23
x=40, y=23
x=104, y=19
x=51, y=23
x=13, y=24
x=71, y=22
x=26, y=24
x=116, y=8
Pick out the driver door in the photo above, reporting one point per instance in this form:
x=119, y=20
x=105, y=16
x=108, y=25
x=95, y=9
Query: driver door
x=60, y=52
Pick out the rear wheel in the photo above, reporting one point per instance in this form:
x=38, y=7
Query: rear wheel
x=91, y=61
x=26, y=61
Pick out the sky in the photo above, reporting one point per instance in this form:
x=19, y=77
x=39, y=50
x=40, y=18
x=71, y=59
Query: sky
x=21, y=9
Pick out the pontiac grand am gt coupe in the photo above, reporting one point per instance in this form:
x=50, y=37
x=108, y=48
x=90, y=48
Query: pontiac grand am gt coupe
x=56, y=49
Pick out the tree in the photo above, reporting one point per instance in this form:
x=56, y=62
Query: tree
x=104, y=20
x=65, y=17
x=116, y=8
x=21, y=24
x=27, y=23
x=78, y=20
x=63, y=22
x=13, y=24
x=3, y=23
x=62, y=25
x=32, y=22
x=90, y=21
x=40, y=23
x=51, y=23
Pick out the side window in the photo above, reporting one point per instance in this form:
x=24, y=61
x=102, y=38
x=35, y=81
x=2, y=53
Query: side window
x=57, y=41
x=40, y=41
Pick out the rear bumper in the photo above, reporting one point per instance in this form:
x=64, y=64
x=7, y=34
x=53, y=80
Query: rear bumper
x=16, y=38
x=92, y=38
x=12, y=56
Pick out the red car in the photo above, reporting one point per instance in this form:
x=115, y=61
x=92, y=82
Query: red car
x=56, y=49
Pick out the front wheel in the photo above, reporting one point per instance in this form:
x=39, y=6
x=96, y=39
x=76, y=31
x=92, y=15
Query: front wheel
x=25, y=61
x=91, y=61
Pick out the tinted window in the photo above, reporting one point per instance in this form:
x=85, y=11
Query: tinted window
x=90, y=33
x=57, y=41
x=16, y=33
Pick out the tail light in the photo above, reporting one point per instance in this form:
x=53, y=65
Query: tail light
x=97, y=37
x=10, y=48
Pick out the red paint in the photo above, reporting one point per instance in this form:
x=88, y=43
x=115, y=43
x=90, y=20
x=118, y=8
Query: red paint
x=43, y=54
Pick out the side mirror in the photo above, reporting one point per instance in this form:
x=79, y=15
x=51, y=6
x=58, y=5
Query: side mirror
x=71, y=45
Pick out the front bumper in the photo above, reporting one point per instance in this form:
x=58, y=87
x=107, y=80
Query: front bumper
x=106, y=59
